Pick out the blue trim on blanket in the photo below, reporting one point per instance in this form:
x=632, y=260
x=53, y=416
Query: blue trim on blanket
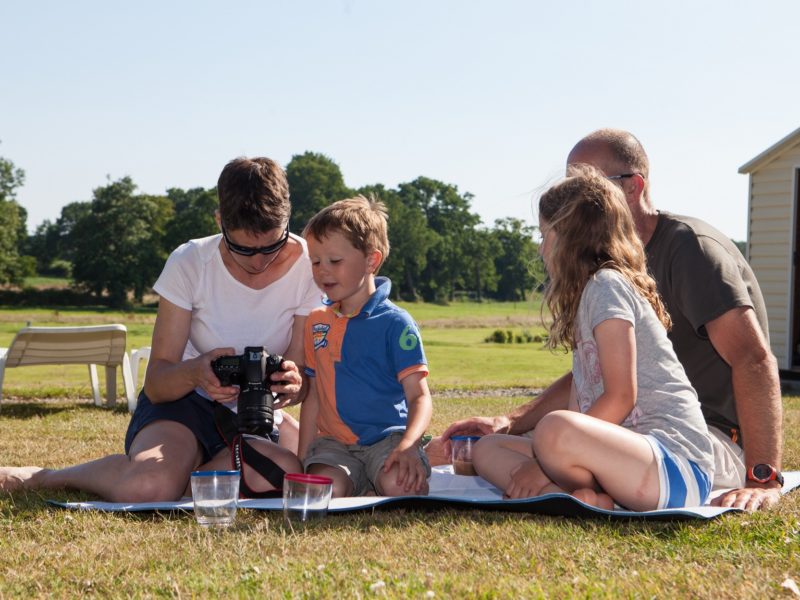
x=549, y=504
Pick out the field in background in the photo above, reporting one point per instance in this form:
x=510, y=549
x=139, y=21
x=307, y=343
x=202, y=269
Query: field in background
x=453, y=336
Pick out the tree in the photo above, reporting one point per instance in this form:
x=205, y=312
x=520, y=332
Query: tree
x=52, y=244
x=410, y=239
x=447, y=214
x=516, y=261
x=315, y=181
x=481, y=247
x=13, y=266
x=193, y=215
x=119, y=245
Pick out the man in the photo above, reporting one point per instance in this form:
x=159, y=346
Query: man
x=719, y=333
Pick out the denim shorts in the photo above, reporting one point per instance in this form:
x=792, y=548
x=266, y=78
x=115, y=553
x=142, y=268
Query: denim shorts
x=193, y=411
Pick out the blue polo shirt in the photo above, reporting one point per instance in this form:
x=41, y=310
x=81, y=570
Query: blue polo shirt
x=358, y=363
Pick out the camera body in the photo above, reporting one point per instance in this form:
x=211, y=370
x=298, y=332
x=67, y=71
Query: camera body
x=251, y=371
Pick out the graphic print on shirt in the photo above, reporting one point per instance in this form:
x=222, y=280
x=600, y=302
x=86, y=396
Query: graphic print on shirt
x=590, y=381
x=319, y=333
x=408, y=339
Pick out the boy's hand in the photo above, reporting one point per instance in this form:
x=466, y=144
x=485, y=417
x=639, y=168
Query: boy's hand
x=411, y=473
x=527, y=480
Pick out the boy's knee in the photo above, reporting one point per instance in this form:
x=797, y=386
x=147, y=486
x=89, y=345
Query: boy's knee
x=386, y=485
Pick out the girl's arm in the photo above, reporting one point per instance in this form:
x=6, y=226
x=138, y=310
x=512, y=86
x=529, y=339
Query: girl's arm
x=616, y=351
x=168, y=376
x=308, y=418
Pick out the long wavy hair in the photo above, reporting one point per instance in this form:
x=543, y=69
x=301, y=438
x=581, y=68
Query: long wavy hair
x=594, y=230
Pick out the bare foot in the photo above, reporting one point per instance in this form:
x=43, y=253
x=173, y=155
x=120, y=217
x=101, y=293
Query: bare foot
x=16, y=478
x=589, y=496
x=438, y=452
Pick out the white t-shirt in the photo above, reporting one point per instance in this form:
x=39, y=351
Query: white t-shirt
x=227, y=313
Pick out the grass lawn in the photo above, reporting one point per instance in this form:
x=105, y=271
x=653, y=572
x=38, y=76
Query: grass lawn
x=45, y=552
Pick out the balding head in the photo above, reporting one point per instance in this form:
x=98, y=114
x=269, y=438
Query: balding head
x=614, y=152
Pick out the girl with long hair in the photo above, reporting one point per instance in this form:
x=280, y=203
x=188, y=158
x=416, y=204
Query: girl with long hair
x=633, y=433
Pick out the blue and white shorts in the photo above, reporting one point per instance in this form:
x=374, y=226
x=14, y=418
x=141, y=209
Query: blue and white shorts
x=681, y=481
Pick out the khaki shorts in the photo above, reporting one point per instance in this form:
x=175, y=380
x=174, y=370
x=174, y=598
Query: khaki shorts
x=729, y=469
x=362, y=464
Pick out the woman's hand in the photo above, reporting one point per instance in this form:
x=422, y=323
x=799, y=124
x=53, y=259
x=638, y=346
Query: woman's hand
x=205, y=378
x=288, y=384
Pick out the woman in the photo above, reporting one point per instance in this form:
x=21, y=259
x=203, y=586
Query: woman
x=250, y=285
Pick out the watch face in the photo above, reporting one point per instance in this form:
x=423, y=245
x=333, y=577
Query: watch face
x=762, y=472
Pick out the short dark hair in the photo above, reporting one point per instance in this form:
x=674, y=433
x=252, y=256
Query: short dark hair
x=253, y=195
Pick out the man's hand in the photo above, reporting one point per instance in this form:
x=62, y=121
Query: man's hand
x=477, y=426
x=750, y=498
x=438, y=449
x=411, y=475
x=527, y=480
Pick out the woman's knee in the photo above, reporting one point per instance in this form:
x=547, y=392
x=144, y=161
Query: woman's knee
x=285, y=459
x=149, y=485
x=281, y=457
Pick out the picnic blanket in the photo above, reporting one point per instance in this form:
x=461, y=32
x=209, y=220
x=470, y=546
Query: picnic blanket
x=450, y=491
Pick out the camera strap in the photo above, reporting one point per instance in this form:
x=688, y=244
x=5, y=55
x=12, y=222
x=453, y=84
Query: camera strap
x=243, y=453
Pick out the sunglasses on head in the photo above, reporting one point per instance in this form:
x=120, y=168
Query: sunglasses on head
x=249, y=250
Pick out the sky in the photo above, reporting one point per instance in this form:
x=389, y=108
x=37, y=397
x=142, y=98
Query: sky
x=487, y=96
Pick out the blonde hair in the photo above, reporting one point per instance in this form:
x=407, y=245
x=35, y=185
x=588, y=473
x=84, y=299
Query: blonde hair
x=594, y=230
x=362, y=220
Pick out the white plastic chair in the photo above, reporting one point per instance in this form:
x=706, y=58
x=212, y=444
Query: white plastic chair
x=138, y=355
x=90, y=345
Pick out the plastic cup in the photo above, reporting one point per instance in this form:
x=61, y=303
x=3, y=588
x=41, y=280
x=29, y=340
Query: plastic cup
x=461, y=454
x=306, y=497
x=215, y=495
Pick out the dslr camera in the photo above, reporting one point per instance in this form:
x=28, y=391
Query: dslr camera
x=251, y=371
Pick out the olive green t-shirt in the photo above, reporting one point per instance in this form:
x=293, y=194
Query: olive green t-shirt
x=701, y=275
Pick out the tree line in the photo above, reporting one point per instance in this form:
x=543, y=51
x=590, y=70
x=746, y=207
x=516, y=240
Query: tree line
x=114, y=245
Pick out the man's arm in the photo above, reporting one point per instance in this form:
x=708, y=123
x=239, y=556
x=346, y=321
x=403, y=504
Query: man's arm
x=520, y=420
x=737, y=337
x=554, y=397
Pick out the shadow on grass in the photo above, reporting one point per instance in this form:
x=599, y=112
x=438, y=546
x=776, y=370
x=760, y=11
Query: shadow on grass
x=36, y=410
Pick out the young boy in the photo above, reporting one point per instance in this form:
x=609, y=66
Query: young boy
x=368, y=403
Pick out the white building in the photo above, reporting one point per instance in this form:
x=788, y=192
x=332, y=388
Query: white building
x=773, y=242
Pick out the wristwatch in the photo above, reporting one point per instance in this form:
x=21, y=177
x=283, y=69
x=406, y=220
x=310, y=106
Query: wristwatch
x=763, y=473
